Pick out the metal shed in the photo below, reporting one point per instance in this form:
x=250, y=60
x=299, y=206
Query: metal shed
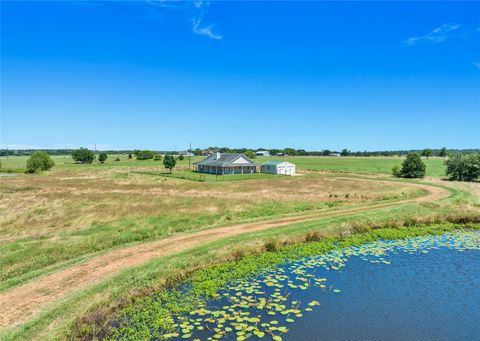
x=278, y=167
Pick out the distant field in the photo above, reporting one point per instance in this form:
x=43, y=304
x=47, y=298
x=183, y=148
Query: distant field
x=366, y=165
x=371, y=165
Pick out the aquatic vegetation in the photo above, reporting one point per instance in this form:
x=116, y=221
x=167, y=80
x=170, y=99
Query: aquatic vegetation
x=262, y=300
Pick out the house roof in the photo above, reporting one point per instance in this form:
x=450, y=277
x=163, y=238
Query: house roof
x=275, y=163
x=225, y=160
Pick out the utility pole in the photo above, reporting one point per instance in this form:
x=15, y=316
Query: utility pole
x=189, y=155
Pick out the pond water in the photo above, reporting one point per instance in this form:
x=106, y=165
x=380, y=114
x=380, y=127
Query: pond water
x=421, y=288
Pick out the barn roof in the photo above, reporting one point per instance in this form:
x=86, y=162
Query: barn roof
x=275, y=163
x=225, y=160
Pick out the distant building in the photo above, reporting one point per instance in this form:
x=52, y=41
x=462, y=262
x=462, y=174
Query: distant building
x=223, y=163
x=262, y=153
x=186, y=153
x=335, y=154
x=279, y=154
x=278, y=167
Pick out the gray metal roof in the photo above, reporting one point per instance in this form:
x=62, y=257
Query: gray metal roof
x=224, y=160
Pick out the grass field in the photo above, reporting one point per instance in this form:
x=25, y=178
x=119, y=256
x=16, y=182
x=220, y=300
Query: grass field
x=75, y=214
x=365, y=165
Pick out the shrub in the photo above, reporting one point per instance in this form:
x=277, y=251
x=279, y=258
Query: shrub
x=271, y=245
x=169, y=162
x=396, y=171
x=102, y=157
x=463, y=167
x=180, y=157
x=144, y=154
x=129, y=155
x=117, y=159
x=39, y=161
x=157, y=157
x=412, y=167
x=83, y=155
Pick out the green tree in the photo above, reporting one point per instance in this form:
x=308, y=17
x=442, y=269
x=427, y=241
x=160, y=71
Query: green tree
x=289, y=152
x=412, y=167
x=442, y=152
x=463, y=167
x=181, y=157
x=144, y=154
x=157, y=157
x=102, y=157
x=427, y=153
x=169, y=162
x=345, y=152
x=250, y=154
x=39, y=161
x=117, y=159
x=83, y=155
x=129, y=155
x=326, y=152
x=197, y=152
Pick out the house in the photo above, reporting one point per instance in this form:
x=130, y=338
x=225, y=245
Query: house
x=186, y=153
x=262, y=153
x=335, y=154
x=278, y=167
x=223, y=163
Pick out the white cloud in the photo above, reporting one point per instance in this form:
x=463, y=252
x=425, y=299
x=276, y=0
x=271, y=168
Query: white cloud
x=205, y=30
x=438, y=35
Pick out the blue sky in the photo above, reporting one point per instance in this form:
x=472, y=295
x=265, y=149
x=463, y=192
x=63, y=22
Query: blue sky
x=311, y=75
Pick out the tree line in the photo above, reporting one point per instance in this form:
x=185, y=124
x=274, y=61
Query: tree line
x=442, y=152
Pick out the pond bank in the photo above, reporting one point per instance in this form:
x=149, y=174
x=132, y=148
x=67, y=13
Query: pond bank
x=158, y=315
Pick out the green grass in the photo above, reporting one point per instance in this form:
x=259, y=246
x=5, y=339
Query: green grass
x=203, y=177
x=366, y=165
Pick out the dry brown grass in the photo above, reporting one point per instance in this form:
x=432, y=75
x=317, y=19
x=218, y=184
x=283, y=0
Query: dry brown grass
x=58, y=202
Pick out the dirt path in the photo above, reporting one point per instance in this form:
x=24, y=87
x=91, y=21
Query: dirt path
x=21, y=303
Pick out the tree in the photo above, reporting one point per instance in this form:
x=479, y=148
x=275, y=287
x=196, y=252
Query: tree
x=117, y=159
x=326, y=152
x=169, y=162
x=83, y=155
x=427, y=153
x=157, y=157
x=250, y=154
x=442, y=152
x=144, y=154
x=412, y=167
x=289, y=152
x=197, y=152
x=181, y=157
x=39, y=161
x=463, y=167
x=345, y=152
x=129, y=155
x=102, y=157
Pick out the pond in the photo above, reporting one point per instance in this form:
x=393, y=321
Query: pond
x=420, y=288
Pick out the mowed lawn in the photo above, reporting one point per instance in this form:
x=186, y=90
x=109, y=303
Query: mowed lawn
x=365, y=165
